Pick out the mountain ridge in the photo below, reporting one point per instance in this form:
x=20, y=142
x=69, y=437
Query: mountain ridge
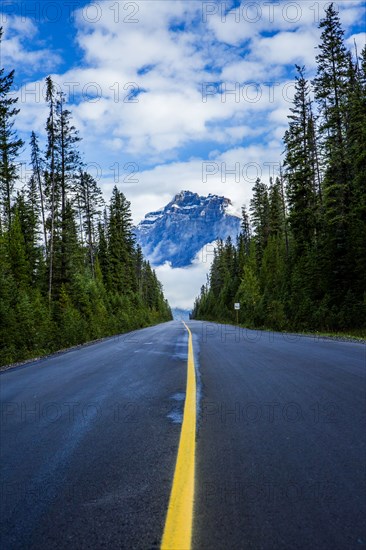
x=178, y=231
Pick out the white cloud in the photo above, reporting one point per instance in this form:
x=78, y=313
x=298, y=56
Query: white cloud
x=171, y=113
x=251, y=19
x=288, y=48
x=231, y=174
x=359, y=39
x=19, y=46
x=168, y=54
x=182, y=285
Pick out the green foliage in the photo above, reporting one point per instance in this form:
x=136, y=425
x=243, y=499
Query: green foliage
x=67, y=275
x=249, y=294
x=300, y=168
x=304, y=266
x=10, y=144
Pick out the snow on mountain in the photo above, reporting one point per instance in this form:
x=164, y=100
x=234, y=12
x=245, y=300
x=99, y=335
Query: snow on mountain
x=177, y=232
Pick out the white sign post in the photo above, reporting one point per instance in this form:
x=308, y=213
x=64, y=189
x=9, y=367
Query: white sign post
x=237, y=307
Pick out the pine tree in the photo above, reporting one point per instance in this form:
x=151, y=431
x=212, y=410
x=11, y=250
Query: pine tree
x=259, y=208
x=7, y=311
x=68, y=165
x=218, y=271
x=245, y=228
x=72, y=255
x=248, y=294
x=139, y=263
x=51, y=179
x=90, y=203
x=63, y=165
x=17, y=253
x=276, y=213
x=284, y=210
x=298, y=164
x=356, y=154
x=120, y=244
x=27, y=208
x=306, y=265
x=10, y=144
x=66, y=293
x=102, y=251
x=330, y=86
x=37, y=165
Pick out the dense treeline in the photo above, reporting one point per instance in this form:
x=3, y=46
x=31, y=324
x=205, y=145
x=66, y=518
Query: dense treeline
x=300, y=260
x=70, y=270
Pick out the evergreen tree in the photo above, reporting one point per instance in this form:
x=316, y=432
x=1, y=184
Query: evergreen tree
x=330, y=86
x=306, y=263
x=67, y=165
x=139, y=265
x=51, y=179
x=90, y=203
x=102, y=252
x=66, y=293
x=248, y=294
x=259, y=208
x=120, y=244
x=10, y=144
x=17, y=253
x=276, y=213
x=299, y=169
x=356, y=154
x=27, y=209
x=37, y=165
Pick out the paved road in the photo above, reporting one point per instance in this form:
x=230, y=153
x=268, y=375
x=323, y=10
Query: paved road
x=89, y=441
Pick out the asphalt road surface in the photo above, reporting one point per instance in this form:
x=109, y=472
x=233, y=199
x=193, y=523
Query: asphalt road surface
x=89, y=442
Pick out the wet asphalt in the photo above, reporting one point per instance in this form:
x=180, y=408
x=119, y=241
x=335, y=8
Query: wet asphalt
x=89, y=441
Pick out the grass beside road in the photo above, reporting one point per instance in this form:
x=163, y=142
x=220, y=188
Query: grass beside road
x=352, y=335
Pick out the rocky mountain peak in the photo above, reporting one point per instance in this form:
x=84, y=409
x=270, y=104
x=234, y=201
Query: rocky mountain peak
x=178, y=231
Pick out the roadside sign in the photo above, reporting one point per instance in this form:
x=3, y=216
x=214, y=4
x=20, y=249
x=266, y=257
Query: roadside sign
x=237, y=306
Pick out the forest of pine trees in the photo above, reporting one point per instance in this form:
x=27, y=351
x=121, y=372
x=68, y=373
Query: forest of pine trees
x=300, y=260
x=70, y=270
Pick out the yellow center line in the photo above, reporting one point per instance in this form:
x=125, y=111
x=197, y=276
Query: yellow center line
x=178, y=525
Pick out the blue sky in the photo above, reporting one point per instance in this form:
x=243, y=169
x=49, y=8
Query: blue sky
x=162, y=88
